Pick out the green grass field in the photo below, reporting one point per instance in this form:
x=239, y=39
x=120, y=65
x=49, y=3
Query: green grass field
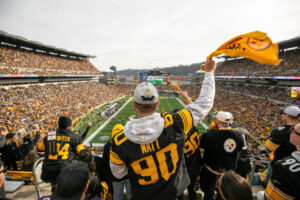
x=94, y=118
x=167, y=104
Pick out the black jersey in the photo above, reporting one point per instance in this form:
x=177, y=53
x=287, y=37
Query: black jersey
x=285, y=180
x=156, y=170
x=279, y=142
x=192, y=152
x=221, y=148
x=60, y=150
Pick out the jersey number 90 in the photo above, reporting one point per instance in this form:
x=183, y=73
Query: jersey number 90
x=146, y=167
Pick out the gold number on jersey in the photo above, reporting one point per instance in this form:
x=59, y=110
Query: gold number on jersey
x=63, y=152
x=150, y=171
x=162, y=159
x=168, y=120
x=192, y=144
x=188, y=148
x=119, y=140
x=147, y=169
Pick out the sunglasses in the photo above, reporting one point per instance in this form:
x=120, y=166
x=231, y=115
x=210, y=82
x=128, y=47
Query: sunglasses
x=292, y=130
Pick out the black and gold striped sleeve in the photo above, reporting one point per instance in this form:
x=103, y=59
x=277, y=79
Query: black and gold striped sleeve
x=187, y=120
x=114, y=158
x=273, y=192
x=282, y=184
x=275, y=139
x=271, y=146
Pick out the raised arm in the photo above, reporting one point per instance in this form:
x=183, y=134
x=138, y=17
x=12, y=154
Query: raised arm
x=204, y=102
x=185, y=96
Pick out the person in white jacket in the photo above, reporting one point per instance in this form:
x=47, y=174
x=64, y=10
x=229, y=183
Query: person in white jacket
x=150, y=148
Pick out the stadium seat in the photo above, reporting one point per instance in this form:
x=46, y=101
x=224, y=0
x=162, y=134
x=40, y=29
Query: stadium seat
x=37, y=171
x=19, y=176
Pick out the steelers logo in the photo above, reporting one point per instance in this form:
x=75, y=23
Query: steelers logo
x=148, y=92
x=229, y=145
x=259, y=45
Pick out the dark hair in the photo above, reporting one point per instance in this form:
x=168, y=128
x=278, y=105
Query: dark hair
x=29, y=160
x=27, y=138
x=85, y=155
x=146, y=108
x=64, y=122
x=232, y=186
x=92, y=166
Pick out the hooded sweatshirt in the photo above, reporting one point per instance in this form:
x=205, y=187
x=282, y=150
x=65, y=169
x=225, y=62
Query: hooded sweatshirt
x=148, y=129
x=144, y=130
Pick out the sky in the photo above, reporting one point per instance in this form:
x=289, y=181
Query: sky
x=145, y=34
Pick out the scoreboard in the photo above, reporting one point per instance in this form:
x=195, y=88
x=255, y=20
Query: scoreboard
x=155, y=77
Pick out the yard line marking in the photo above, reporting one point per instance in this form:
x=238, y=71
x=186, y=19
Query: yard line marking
x=87, y=141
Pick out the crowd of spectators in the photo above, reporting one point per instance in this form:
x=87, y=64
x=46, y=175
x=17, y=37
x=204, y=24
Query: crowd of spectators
x=16, y=61
x=28, y=113
x=257, y=114
x=17, y=150
x=255, y=107
x=289, y=66
x=264, y=91
x=23, y=107
x=43, y=104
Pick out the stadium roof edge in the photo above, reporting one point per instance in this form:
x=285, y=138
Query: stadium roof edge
x=294, y=42
x=21, y=41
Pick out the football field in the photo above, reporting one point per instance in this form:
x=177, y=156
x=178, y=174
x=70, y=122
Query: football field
x=103, y=133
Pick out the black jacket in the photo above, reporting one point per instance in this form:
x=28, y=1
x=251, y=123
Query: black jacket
x=221, y=148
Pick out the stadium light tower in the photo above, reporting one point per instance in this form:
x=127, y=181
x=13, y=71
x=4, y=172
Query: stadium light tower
x=113, y=68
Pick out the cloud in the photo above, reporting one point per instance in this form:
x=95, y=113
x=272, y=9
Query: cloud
x=144, y=34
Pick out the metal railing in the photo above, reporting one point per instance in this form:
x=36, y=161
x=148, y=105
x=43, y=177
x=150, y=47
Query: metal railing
x=253, y=173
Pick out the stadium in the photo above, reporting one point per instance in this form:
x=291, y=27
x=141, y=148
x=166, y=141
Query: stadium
x=40, y=83
x=45, y=89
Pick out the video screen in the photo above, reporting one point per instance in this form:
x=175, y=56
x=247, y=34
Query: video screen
x=162, y=78
x=155, y=80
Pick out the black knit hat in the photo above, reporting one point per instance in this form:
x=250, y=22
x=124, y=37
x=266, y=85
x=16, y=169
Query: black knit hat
x=64, y=122
x=71, y=182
